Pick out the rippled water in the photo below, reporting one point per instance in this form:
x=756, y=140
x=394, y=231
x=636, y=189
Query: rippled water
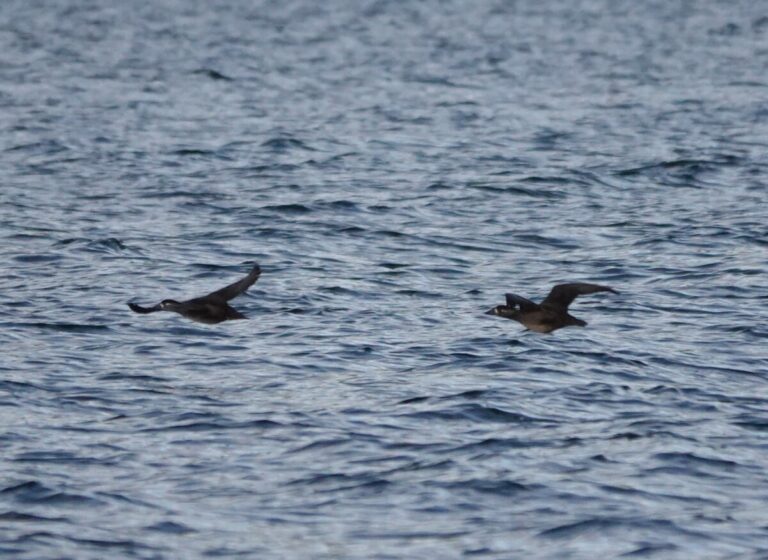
x=395, y=168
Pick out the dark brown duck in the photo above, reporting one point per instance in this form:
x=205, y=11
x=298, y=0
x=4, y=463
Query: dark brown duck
x=210, y=309
x=552, y=313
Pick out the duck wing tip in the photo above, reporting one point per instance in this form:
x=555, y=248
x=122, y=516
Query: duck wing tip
x=235, y=289
x=562, y=295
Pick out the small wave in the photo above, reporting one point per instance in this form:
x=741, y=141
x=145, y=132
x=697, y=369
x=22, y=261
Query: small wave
x=18, y=517
x=169, y=528
x=220, y=425
x=47, y=147
x=760, y=24
x=651, y=550
x=477, y=413
x=466, y=395
x=690, y=459
x=604, y=526
x=37, y=258
x=212, y=74
x=393, y=265
x=61, y=457
x=193, y=152
x=285, y=145
x=680, y=172
x=437, y=81
x=337, y=205
x=111, y=245
x=541, y=240
x=755, y=425
x=66, y=327
x=502, y=488
x=517, y=190
x=266, y=170
x=36, y=493
x=288, y=208
x=729, y=29
x=420, y=294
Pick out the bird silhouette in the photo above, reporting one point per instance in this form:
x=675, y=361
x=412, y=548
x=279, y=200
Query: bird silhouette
x=552, y=313
x=210, y=309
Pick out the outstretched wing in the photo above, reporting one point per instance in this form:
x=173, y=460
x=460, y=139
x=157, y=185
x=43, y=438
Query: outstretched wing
x=139, y=309
x=234, y=290
x=562, y=295
x=525, y=304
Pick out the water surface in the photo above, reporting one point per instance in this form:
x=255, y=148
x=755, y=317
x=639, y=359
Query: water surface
x=395, y=168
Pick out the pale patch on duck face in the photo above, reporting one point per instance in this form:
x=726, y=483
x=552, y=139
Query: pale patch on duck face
x=168, y=304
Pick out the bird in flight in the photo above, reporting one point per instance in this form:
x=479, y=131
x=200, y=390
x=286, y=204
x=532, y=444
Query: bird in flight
x=209, y=309
x=552, y=313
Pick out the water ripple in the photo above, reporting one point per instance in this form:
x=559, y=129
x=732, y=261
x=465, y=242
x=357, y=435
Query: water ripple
x=395, y=168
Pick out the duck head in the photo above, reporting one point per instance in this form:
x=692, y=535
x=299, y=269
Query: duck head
x=502, y=311
x=169, y=305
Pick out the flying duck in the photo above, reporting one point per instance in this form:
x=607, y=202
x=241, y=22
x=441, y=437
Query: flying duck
x=552, y=313
x=209, y=309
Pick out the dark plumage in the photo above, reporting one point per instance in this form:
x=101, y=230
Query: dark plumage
x=210, y=309
x=552, y=313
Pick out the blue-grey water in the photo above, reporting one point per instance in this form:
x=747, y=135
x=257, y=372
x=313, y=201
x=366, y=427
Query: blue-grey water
x=395, y=168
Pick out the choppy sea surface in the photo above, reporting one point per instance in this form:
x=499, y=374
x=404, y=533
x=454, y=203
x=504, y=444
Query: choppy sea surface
x=395, y=168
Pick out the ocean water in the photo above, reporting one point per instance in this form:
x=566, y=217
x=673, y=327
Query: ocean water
x=395, y=168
